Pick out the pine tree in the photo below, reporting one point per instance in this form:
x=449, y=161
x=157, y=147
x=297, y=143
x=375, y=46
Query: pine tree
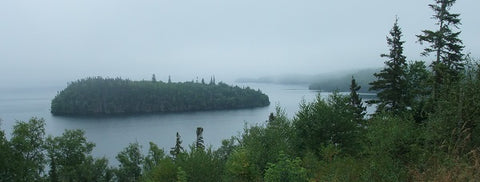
x=177, y=149
x=356, y=101
x=391, y=82
x=271, y=117
x=154, y=79
x=444, y=43
x=212, y=80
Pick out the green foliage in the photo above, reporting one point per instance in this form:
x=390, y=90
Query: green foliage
x=391, y=145
x=155, y=155
x=445, y=44
x=327, y=121
x=384, y=168
x=92, y=170
x=163, y=170
x=200, y=165
x=181, y=175
x=418, y=90
x=264, y=143
x=28, y=157
x=394, y=137
x=6, y=157
x=356, y=102
x=70, y=160
x=240, y=167
x=227, y=148
x=285, y=170
x=448, y=167
x=455, y=123
x=339, y=169
x=131, y=160
x=93, y=96
x=391, y=82
x=177, y=149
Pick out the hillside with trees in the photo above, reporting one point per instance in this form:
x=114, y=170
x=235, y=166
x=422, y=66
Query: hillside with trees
x=341, y=82
x=327, y=82
x=107, y=96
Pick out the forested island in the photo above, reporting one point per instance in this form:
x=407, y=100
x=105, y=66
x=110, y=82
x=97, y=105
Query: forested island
x=111, y=96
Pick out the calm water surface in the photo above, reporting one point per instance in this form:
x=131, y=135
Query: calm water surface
x=112, y=134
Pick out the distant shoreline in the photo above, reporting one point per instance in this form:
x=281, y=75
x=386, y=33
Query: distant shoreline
x=322, y=82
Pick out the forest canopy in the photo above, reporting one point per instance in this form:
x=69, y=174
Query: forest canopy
x=108, y=96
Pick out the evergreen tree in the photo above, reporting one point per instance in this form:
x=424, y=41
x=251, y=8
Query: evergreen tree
x=326, y=121
x=271, y=117
x=212, y=80
x=356, y=101
x=169, y=79
x=419, y=89
x=154, y=79
x=444, y=43
x=391, y=82
x=178, y=147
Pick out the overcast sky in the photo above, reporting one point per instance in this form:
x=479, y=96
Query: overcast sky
x=63, y=40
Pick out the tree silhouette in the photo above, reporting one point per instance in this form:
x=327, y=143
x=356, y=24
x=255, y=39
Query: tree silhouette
x=391, y=82
x=444, y=43
x=177, y=149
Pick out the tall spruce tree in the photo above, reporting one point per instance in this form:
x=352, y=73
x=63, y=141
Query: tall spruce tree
x=154, y=79
x=391, y=82
x=177, y=149
x=356, y=101
x=444, y=43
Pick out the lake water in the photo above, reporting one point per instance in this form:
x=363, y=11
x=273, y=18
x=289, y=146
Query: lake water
x=112, y=134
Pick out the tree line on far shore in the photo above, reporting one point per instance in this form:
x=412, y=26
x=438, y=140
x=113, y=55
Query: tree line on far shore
x=107, y=96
